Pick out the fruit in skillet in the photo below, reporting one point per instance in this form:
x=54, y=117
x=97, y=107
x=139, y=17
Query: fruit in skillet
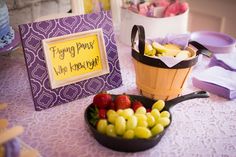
x=129, y=125
x=102, y=100
x=95, y=114
x=102, y=113
x=122, y=102
x=136, y=104
x=131, y=120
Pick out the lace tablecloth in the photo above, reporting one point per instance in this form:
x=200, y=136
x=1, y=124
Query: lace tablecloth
x=200, y=127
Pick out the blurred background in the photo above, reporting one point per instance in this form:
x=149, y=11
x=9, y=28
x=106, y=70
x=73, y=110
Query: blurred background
x=214, y=15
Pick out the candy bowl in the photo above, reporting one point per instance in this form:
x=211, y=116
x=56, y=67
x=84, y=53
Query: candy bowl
x=135, y=144
x=155, y=27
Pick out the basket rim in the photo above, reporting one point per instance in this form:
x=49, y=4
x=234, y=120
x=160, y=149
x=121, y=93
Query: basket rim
x=155, y=62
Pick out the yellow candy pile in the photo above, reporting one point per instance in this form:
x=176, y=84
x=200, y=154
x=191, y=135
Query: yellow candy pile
x=171, y=50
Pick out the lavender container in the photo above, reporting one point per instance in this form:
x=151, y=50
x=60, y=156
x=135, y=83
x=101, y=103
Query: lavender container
x=214, y=41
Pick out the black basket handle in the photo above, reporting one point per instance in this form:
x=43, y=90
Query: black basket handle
x=141, y=38
x=139, y=56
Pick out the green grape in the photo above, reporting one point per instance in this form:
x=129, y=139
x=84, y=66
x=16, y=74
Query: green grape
x=142, y=119
x=141, y=110
x=129, y=134
x=142, y=123
x=127, y=113
x=141, y=116
x=164, y=121
x=110, y=130
x=156, y=114
x=101, y=126
x=120, y=125
x=158, y=128
x=132, y=122
x=120, y=112
x=160, y=104
x=150, y=119
x=110, y=112
x=165, y=114
x=112, y=117
x=142, y=132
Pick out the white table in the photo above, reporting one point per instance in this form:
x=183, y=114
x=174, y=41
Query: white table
x=200, y=127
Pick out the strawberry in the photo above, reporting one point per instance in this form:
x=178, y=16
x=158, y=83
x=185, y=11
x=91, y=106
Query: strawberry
x=102, y=113
x=112, y=106
x=102, y=100
x=95, y=114
x=122, y=102
x=136, y=104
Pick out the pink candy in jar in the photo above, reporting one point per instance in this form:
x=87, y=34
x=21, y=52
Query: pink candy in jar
x=160, y=3
x=143, y=8
x=175, y=8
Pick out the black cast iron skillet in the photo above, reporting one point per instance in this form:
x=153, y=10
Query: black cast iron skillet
x=134, y=145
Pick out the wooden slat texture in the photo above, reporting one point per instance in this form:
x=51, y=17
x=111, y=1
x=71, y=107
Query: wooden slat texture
x=160, y=83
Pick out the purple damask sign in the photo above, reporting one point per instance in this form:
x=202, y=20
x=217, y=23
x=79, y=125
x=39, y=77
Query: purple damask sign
x=32, y=35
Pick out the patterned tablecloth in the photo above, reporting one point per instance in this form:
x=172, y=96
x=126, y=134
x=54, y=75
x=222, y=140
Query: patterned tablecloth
x=200, y=127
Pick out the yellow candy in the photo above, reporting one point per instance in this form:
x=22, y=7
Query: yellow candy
x=172, y=46
x=160, y=48
x=183, y=54
x=149, y=51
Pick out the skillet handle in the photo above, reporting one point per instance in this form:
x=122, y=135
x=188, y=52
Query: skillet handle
x=197, y=94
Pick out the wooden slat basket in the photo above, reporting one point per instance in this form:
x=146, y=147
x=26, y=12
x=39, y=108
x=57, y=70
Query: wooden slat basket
x=153, y=78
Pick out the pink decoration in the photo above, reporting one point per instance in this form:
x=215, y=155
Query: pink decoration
x=161, y=3
x=175, y=9
x=133, y=8
x=184, y=7
x=150, y=12
x=143, y=8
x=158, y=8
